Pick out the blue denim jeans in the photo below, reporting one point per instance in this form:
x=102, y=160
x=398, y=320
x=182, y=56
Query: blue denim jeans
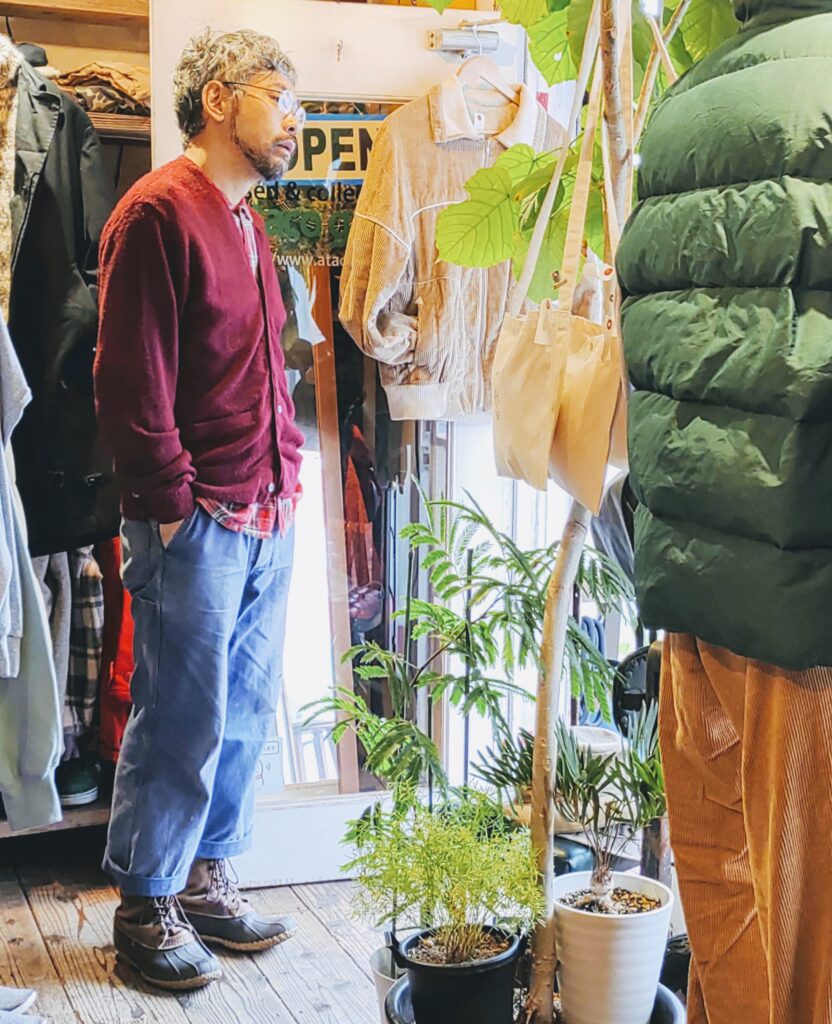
x=210, y=615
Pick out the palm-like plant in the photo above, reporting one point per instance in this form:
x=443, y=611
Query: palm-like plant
x=610, y=797
x=483, y=626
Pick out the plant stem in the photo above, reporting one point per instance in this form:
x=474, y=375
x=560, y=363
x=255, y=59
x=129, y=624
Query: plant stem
x=539, y=1008
x=652, y=72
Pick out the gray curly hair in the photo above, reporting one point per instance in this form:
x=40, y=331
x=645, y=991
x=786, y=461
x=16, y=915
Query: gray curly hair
x=232, y=56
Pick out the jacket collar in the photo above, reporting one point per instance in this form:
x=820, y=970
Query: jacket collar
x=451, y=120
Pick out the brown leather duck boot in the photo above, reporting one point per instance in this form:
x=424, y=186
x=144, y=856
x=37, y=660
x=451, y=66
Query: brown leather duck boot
x=153, y=936
x=220, y=914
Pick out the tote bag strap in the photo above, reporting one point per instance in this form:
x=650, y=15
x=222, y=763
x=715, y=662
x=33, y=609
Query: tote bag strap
x=573, y=246
x=588, y=59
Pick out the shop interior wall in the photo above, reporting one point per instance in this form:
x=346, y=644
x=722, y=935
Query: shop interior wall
x=359, y=52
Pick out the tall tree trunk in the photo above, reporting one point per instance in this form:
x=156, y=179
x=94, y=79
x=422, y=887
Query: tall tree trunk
x=539, y=1008
x=620, y=145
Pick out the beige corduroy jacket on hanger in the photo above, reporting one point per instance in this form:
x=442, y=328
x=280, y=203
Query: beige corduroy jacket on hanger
x=432, y=325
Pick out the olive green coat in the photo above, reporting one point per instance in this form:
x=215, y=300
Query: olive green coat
x=726, y=266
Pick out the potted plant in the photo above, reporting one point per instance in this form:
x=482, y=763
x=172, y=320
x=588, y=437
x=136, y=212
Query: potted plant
x=483, y=624
x=468, y=881
x=621, y=920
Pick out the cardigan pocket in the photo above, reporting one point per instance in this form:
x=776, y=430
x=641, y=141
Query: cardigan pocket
x=217, y=439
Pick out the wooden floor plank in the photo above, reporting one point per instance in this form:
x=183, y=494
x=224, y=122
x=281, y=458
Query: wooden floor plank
x=64, y=919
x=24, y=958
x=242, y=996
x=331, y=903
x=74, y=911
x=312, y=974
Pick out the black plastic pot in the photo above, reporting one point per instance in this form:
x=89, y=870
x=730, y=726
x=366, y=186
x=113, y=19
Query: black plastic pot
x=481, y=992
x=399, y=1008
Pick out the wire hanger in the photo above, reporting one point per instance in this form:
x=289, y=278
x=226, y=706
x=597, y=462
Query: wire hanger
x=479, y=69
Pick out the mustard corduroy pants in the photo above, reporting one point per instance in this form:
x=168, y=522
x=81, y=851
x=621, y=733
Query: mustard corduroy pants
x=747, y=753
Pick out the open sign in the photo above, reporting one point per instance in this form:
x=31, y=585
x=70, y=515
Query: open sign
x=334, y=147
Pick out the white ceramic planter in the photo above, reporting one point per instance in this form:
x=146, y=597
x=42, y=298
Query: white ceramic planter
x=385, y=975
x=610, y=966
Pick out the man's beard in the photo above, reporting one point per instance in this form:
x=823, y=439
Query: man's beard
x=268, y=164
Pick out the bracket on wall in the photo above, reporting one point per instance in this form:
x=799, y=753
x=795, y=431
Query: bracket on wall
x=466, y=40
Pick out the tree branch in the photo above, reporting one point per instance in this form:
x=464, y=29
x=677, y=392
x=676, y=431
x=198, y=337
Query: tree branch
x=652, y=72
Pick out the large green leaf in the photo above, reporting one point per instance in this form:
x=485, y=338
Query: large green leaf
x=707, y=24
x=549, y=47
x=521, y=162
x=524, y=12
x=479, y=232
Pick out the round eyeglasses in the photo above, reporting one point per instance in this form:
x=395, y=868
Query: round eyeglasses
x=287, y=102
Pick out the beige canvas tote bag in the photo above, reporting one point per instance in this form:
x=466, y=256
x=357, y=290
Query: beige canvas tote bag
x=556, y=376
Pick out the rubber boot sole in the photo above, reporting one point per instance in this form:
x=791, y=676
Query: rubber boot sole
x=248, y=947
x=186, y=985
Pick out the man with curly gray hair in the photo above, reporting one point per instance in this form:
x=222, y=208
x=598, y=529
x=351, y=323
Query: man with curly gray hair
x=193, y=401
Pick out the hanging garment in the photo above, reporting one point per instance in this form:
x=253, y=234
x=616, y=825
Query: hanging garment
x=431, y=325
x=14, y=396
x=726, y=268
x=30, y=719
x=85, y=641
x=61, y=194
x=116, y=655
x=111, y=88
x=362, y=503
x=52, y=574
x=10, y=61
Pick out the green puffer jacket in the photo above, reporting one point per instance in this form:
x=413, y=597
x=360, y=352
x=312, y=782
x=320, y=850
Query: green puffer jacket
x=726, y=266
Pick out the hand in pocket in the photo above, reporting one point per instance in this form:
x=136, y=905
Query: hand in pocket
x=167, y=531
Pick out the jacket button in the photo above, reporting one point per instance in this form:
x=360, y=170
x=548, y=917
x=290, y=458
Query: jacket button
x=271, y=488
x=280, y=410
